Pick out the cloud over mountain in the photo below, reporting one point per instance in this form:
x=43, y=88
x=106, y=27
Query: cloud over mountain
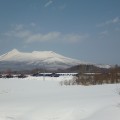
x=29, y=36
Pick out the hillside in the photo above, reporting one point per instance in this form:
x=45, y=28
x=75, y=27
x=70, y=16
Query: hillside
x=16, y=60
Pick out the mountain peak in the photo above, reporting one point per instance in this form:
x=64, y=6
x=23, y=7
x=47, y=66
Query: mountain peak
x=43, y=52
x=9, y=55
x=36, y=59
x=21, y=60
x=46, y=53
x=14, y=51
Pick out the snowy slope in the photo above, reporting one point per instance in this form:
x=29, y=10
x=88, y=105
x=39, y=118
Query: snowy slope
x=15, y=55
x=17, y=60
x=37, y=58
x=37, y=99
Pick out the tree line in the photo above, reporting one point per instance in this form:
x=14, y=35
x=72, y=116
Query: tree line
x=106, y=76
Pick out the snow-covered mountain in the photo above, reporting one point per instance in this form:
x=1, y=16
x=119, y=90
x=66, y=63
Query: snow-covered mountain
x=17, y=60
x=47, y=59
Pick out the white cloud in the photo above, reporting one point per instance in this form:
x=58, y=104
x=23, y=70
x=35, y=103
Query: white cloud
x=29, y=36
x=48, y=3
x=62, y=7
x=33, y=24
x=43, y=37
x=109, y=22
x=116, y=20
x=18, y=33
x=74, y=37
x=22, y=34
x=19, y=26
x=56, y=36
x=104, y=32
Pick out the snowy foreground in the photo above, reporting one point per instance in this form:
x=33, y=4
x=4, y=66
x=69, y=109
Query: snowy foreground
x=45, y=99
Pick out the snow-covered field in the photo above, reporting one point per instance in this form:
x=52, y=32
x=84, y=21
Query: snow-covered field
x=45, y=99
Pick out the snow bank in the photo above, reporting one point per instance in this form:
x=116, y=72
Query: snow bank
x=38, y=98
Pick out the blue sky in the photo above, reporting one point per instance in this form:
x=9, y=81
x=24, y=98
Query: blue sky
x=88, y=30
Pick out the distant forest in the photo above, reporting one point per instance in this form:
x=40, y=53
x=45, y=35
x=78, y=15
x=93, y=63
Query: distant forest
x=92, y=75
x=78, y=69
x=87, y=74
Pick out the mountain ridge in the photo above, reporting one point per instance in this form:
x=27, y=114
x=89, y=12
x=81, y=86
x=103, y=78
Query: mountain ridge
x=15, y=59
